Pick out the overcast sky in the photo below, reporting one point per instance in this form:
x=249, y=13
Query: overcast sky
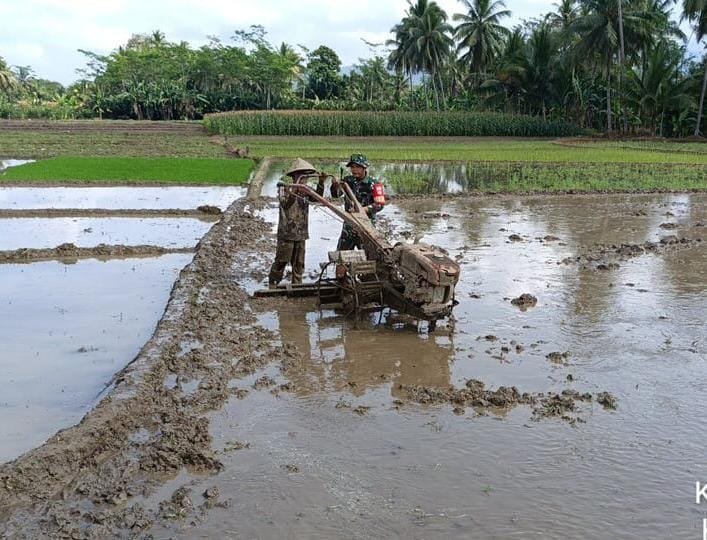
x=45, y=34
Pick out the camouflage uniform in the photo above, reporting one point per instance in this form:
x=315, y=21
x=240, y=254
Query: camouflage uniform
x=292, y=233
x=363, y=191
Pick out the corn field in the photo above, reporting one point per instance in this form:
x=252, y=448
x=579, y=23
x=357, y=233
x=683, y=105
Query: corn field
x=347, y=123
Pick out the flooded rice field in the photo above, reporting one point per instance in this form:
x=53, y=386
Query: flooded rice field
x=347, y=451
x=579, y=331
x=118, y=197
x=85, y=232
x=69, y=325
x=67, y=329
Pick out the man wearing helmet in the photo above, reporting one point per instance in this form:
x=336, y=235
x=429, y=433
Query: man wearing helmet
x=367, y=190
x=293, y=224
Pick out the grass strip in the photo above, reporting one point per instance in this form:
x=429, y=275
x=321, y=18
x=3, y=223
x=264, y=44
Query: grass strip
x=457, y=149
x=132, y=170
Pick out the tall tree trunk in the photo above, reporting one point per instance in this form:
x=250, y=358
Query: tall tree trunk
x=441, y=90
x=702, y=101
x=622, y=57
x=434, y=89
x=609, y=125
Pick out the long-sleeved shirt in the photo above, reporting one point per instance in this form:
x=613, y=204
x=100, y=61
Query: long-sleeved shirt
x=293, y=221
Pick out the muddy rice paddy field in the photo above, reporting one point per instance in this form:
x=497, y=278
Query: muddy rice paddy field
x=579, y=412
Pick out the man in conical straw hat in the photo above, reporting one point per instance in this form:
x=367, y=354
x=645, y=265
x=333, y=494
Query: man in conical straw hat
x=293, y=224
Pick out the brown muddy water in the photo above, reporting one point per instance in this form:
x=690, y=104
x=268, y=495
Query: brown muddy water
x=324, y=442
x=66, y=330
x=341, y=452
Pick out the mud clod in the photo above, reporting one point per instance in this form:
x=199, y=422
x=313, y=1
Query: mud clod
x=264, y=382
x=178, y=506
x=606, y=400
x=525, y=301
x=212, y=493
x=234, y=446
x=209, y=209
x=558, y=357
x=607, y=257
x=474, y=394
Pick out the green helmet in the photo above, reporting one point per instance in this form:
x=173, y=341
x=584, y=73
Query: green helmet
x=358, y=159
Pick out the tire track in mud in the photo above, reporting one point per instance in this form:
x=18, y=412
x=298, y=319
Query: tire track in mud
x=87, y=481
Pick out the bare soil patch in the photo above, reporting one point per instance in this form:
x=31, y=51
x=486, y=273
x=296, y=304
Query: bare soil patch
x=72, y=252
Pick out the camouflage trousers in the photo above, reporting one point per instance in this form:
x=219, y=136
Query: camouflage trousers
x=348, y=239
x=288, y=252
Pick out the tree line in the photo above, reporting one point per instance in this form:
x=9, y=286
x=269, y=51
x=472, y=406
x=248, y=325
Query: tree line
x=619, y=66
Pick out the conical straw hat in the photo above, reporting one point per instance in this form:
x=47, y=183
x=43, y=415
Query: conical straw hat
x=300, y=165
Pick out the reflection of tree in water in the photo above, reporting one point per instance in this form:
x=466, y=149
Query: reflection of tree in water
x=337, y=357
x=423, y=177
x=687, y=269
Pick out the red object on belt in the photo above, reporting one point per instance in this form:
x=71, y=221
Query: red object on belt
x=378, y=193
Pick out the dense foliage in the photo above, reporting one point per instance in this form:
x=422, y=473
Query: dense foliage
x=613, y=65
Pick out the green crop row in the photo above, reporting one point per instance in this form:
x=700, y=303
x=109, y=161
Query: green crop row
x=548, y=177
x=129, y=170
x=370, y=124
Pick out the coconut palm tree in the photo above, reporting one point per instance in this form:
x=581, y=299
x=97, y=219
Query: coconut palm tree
x=423, y=43
x=480, y=32
x=658, y=87
x=598, y=30
x=431, y=35
x=7, y=77
x=695, y=11
x=565, y=14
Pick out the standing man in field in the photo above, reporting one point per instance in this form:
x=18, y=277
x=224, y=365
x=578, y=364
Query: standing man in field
x=367, y=190
x=293, y=224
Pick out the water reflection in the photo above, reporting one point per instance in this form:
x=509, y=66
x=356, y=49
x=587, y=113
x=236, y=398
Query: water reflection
x=337, y=357
x=7, y=163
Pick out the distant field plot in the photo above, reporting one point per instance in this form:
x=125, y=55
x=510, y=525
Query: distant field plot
x=36, y=139
x=465, y=149
x=132, y=170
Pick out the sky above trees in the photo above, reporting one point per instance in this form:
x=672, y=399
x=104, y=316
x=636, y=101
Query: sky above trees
x=46, y=34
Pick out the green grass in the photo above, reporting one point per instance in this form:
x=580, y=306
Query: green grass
x=659, y=146
x=492, y=163
x=457, y=149
x=132, y=170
